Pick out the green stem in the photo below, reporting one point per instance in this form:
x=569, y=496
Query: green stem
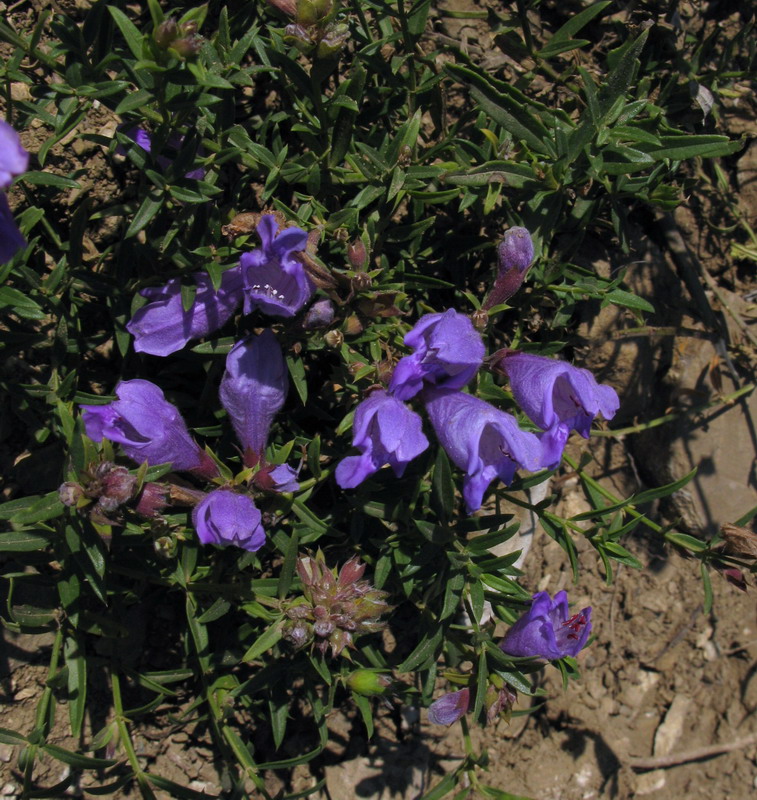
x=410, y=51
x=655, y=423
x=125, y=738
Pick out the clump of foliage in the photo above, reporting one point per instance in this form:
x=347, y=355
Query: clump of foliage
x=338, y=121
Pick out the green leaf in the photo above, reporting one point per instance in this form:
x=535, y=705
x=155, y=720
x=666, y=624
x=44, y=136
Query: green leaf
x=505, y=105
x=216, y=611
x=426, y=651
x=678, y=148
x=76, y=682
x=76, y=759
x=149, y=208
x=11, y=737
x=24, y=541
x=131, y=33
x=138, y=99
x=620, y=297
x=264, y=642
x=49, y=179
x=297, y=371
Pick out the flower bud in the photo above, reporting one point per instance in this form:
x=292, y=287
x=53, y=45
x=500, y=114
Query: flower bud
x=515, y=254
x=165, y=34
x=319, y=315
x=368, y=683
x=188, y=47
x=334, y=339
x=70, y=493
x=357, y=254
x=288, y=7
x=334, y=39
x=118, y=486
x=516, y=250
x=152, y=500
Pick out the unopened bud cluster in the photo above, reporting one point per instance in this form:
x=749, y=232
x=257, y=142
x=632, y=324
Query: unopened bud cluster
x=180, y=38
x=104, y=485
x=334, y=609
x=314, y=29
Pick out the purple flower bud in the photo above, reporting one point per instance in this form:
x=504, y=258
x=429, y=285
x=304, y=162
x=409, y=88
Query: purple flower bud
x=274, y=280
x=515, y=254
x=515, y=251
x=558, y=397
x=276, y=478
x=448, y=353
x=546, y=631
x=163, y=326
x=482, y=440
x=449, y=708
x=14, y=160
x=253, y=389
x=166, y=32
x=319, y=315
x=387, y=432
x=148, y=427
x=225, y=517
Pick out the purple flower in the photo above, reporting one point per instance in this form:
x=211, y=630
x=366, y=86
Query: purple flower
x=546, y=631
x=142, y=138
x=448, y=353
x=558, y=397
x=14, y=160
x=148, y=427
x=387, y=432
x=449, y=708
x=482, y=440
x=225, y=517
x=254, y=388
x=515, y=254
x=163, y=326
x=275, y=281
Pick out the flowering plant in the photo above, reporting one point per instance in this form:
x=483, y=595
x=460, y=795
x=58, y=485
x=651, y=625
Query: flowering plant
x=292, y=368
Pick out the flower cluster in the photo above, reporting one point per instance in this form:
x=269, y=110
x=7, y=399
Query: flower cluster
x=14, y=161
x=335, y=608
x=269, y=278
x=150, y=429
x=483, y=441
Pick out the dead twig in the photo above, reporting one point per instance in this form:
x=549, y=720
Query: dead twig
x=675, y=759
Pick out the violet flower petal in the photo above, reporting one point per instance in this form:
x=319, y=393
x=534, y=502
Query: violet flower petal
x=14, y=160
x=147, y=427
x=482, y=440
x=387, y=432
x=557, y=396
x=163, y=326
x=449, y=708
x=227, y=518
x=448, y=353
x=254, y=388
x=546, y=630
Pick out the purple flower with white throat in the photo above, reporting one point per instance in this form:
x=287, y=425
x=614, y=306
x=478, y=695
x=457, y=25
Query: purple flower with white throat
x=547, y=631
x=449, y=708
x=227, y=518
x=274, y=280
x=14, y=161
x=448, y=353
x=387, y=432
x=148, y=428
x=163, y=326
x=558, y=397
x=482, y=440
x=253, y=390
